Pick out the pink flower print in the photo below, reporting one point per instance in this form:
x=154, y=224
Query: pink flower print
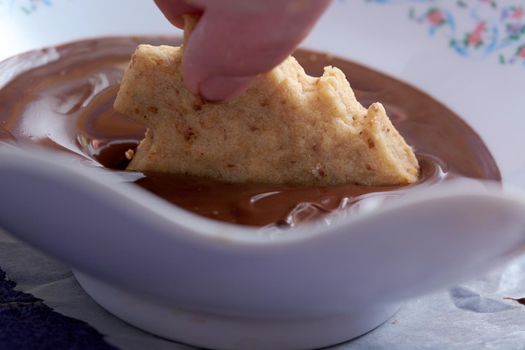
x=515, y=30
x=476, y=37
x=517, y=13
x=521, y=51
x=435, y=17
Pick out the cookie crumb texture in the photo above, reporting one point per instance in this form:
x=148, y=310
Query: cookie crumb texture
x=288, y=127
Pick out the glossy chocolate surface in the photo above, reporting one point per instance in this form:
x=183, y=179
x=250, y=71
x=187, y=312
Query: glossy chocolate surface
x=61, y=99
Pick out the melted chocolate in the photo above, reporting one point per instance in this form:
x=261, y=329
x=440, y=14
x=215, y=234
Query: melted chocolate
x=62, y=99
x=520, y=300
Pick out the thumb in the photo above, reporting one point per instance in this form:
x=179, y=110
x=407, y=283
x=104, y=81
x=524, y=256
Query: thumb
x=229, y=47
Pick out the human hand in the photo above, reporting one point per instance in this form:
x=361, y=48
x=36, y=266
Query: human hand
x=235, y=40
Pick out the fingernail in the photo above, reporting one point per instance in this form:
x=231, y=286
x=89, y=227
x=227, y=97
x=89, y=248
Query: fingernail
x=218, y=89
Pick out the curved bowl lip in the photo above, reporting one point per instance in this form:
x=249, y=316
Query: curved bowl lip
x=157, y=209
x=161, y=213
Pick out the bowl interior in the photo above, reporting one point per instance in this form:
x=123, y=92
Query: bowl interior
x=482, y=84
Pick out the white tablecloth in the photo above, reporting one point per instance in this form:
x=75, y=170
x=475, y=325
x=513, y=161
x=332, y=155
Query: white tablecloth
x=474, y=315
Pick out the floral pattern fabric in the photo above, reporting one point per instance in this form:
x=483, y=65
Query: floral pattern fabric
x=24, y=6
x=473, y=28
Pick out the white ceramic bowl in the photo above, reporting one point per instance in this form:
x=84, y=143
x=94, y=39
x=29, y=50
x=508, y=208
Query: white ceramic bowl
x=216, y=285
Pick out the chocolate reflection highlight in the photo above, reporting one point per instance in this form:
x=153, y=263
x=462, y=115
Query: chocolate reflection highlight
x=61, y=99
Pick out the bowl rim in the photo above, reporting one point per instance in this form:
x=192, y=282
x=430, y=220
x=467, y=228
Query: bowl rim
x=163, y=212
x=176, y=220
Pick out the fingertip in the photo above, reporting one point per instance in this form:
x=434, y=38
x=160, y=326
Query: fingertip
x=214, y=89
x=202, y=66
x=218, y=89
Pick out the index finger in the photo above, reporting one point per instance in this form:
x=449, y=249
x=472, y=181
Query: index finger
x=230, y=46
